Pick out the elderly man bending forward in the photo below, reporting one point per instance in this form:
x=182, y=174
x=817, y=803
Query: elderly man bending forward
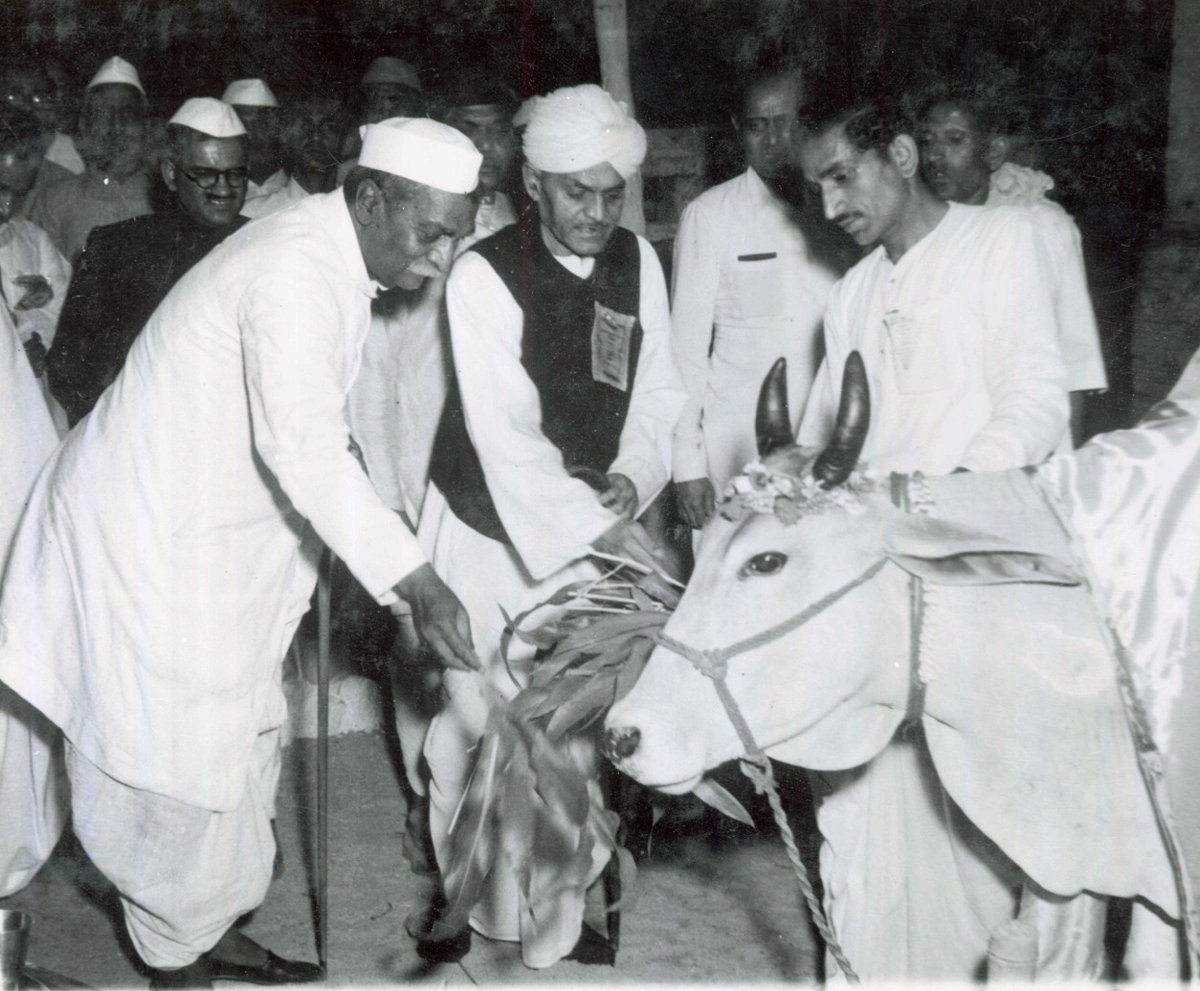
x=172, y=555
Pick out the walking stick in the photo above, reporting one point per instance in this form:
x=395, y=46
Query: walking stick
x=324, y=580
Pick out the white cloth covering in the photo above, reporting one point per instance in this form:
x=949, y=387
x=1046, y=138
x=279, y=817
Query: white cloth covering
x=423, y=150
x=63, y=153
x=170, y=549
x=743, y=282
x=576, y=128
x=1060, y=238
x=551, y=519
x=275, y=198
x=396, y=401
x=190, y=873
x=32, y=797
x=26, y=249
x=970, y=375
x=208, y=116
x=271, y=184
x=960, y=345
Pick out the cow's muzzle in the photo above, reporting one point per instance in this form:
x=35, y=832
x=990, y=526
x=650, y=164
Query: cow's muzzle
x=620, y=742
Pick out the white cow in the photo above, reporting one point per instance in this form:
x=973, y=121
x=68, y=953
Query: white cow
x=828, y=608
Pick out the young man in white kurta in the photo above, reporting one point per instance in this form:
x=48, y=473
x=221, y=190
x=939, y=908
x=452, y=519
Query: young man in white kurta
x=955, y=322
x=552, y=520
x=964, y=159
x=176, y=552
x=747, y=288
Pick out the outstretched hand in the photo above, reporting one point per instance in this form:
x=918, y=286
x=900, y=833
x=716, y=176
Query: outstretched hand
x=441, y=622
x=620, y=497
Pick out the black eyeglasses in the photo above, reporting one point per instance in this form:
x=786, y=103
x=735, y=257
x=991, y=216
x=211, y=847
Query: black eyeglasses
x=207, y=178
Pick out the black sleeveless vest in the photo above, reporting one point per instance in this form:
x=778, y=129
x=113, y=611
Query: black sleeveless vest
x=581, y=416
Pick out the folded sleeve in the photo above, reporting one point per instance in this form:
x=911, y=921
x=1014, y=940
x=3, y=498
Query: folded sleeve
x=293, y=328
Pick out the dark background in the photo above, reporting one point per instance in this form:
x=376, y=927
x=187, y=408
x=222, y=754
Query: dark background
x=1092, y=74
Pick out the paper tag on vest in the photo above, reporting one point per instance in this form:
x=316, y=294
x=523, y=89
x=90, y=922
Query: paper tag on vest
x=612, y=334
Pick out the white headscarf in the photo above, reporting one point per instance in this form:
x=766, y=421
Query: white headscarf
x=580, y=127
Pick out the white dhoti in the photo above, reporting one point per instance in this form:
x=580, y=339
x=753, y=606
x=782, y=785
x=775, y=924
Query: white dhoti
x=487, y=575
x=914, y=890
x=33, y=794
x=184, y=874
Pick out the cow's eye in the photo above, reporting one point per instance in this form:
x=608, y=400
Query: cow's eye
x=767, y=563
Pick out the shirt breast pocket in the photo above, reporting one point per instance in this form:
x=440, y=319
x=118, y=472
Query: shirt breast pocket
x=759, y=278
x=923, y=350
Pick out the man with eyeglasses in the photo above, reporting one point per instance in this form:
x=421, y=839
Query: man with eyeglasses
x=127, y=268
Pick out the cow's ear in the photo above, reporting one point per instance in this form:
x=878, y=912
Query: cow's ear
x=947, y=553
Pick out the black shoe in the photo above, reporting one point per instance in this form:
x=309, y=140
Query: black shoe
x=445, y=950
x=194, y=975
x=594, y=949
x=274, y=970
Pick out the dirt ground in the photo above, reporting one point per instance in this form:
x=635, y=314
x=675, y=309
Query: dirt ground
x=715, y=901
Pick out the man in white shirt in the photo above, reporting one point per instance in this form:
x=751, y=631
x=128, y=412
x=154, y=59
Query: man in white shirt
x=165, y=562
x=115, y=184
x=258, y=109
x=309, y=141
x=746, y=291
x=560, y=334
x=965, y=159
x=955, y=322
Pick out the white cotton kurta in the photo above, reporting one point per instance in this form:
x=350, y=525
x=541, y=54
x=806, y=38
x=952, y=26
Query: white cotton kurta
x=1059, y=237
x=961, y=351
x=551, y=519
x=397, y=399
x=272, y=200
x=165, y=535
x=744, y=282
x=32, y=797
x=26, y=249
x=256, y=191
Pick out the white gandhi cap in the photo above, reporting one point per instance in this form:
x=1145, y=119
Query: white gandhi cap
x=422, y=150
x=209, y=116
x=249, y=93
x=117, y=70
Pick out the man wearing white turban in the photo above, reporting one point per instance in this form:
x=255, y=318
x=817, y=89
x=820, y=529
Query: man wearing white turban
x=165, y=561
x=560, y=333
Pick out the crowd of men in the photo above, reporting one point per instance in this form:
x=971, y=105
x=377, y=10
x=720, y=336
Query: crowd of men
x=379, y=329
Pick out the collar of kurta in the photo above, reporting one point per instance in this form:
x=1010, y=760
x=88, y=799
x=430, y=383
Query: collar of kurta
x=341, y=229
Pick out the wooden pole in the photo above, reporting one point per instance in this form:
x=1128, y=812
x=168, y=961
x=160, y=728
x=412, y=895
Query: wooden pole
x=612, y=38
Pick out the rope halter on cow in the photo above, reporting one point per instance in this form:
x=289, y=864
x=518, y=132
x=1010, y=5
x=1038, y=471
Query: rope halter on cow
x=714, y=664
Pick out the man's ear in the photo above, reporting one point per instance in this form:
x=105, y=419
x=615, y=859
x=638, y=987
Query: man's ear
x=997, y=152
x=169, y=175
x=533, y=182
x=368, y=202
x=904, y=155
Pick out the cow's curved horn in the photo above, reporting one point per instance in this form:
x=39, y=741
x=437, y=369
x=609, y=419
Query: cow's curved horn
x=772, y=422
x=834, y=464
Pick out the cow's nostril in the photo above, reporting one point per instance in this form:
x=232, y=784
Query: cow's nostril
x=621, y=743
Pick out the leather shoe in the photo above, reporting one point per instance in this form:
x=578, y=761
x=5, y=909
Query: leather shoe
x=274, y=970
x=194, y=975
x=445, y=950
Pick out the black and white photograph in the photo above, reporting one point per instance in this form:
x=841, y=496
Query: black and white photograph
x=599, y=493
